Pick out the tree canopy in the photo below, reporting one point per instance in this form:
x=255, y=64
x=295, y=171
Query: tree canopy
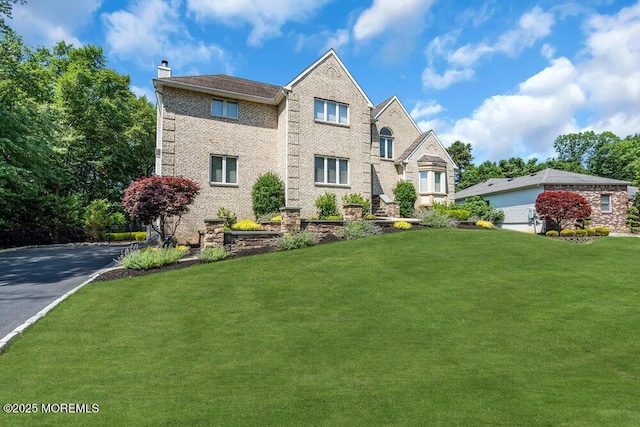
x=71, y=131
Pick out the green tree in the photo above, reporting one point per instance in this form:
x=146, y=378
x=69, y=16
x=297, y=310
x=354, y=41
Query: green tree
x=462, y=157
x=617, y=159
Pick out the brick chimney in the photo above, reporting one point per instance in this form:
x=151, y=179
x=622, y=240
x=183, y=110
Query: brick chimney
x=164, y=70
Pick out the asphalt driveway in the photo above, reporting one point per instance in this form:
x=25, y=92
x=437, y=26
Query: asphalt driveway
x=31, y=279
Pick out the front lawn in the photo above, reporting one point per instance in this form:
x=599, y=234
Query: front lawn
x=428, y=327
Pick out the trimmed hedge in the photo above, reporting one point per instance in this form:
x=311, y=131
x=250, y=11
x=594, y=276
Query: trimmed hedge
x=138, y=236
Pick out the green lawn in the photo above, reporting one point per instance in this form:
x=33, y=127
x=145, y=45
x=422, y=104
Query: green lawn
x=430, y=327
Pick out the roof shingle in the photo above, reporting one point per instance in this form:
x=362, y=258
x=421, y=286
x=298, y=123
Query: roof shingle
x=544, y=177
x=229, y=84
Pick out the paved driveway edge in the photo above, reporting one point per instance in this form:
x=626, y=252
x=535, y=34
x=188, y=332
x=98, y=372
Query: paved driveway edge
x=4, y=342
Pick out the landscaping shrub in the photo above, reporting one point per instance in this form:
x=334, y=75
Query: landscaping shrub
x=401, y=225
x=138, y=236
x=369, y=217
x=334, y=218
x=480, y=208
x=601, y=231
x=406, y=196
x=246, y=225
x=212, y=254
x=633, y=219
x=434, y=219
x=552, y=233
x=358, y=199
x=228, y=216
x=581, y=233
x=151, y=258
x=98, y=216
x=327, y=205
x=296, y=240
x=267, y=194
x=484, y=224
x=457, y=214
x=567, y=233
x=357, y=229
x=590, y=231
x=277, y=218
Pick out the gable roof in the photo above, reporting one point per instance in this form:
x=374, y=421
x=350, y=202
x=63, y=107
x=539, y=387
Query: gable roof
x=330, y=53
x=223, y=85
x=416, y=145
x=380, y=108
x=537, y=179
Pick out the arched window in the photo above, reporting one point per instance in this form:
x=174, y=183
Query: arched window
x=386, y=143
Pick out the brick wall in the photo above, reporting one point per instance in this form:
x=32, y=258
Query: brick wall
x=615, y=220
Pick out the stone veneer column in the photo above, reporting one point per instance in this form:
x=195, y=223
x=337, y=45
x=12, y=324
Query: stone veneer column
x=214, y=233
x=290, y=220
x=352, y=212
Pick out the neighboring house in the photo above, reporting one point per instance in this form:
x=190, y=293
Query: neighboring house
x=320, y=133
x=517, y=196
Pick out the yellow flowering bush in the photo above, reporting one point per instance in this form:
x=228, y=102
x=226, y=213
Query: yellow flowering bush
x=484, y=224
x=246, y=225
x=401, y=225
x=277, y=218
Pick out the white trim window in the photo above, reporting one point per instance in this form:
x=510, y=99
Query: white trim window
x=605, y=203
x=386, y=143
x=329, y=111
x=331, y=170
x=432, y=182
x=223, y=170
x=224, y=108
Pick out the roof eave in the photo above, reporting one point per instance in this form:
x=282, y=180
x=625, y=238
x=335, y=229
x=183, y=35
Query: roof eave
x=219, y=92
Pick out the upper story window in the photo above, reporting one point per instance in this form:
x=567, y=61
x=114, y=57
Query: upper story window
x=331, y=170
x=224, y=108
x=605, y=203
x=329, y=111
x=224, y=170
x=386, y=143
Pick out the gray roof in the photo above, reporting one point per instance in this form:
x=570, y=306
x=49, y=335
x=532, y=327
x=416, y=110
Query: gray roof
x=222, y=82
x=404, y=156
x=537, y=179
x=426, y=158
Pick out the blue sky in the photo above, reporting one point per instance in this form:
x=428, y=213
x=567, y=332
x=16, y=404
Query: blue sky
x=506, y=76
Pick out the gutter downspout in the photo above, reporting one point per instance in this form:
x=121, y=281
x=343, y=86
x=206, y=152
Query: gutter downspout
x=286, y=149
x=159, y=132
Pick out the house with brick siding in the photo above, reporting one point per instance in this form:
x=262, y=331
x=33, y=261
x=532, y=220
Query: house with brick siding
x=609, y=198
x=319, y=133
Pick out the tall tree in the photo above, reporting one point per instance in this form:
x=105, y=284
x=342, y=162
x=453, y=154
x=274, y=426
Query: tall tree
x=462, y=157
x=617, y=159
x=580, y=148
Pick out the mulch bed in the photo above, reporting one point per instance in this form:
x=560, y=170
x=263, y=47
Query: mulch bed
x=121, y=273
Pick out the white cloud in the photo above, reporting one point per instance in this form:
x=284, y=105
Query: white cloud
x=389, y=14
x=151, y=30
x=424, y=109
x=610, y=72
x=45, y=22
x=265, y=17
x=527, y=122
x=432, y=80
x=532, y=26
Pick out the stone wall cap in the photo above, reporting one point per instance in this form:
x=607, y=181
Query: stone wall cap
x=286, y=209
x=352, y=205
x=209, y=220
x=254, y=233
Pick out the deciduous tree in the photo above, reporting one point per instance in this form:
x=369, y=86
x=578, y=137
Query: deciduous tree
x=561, y=208
x=160, y=201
